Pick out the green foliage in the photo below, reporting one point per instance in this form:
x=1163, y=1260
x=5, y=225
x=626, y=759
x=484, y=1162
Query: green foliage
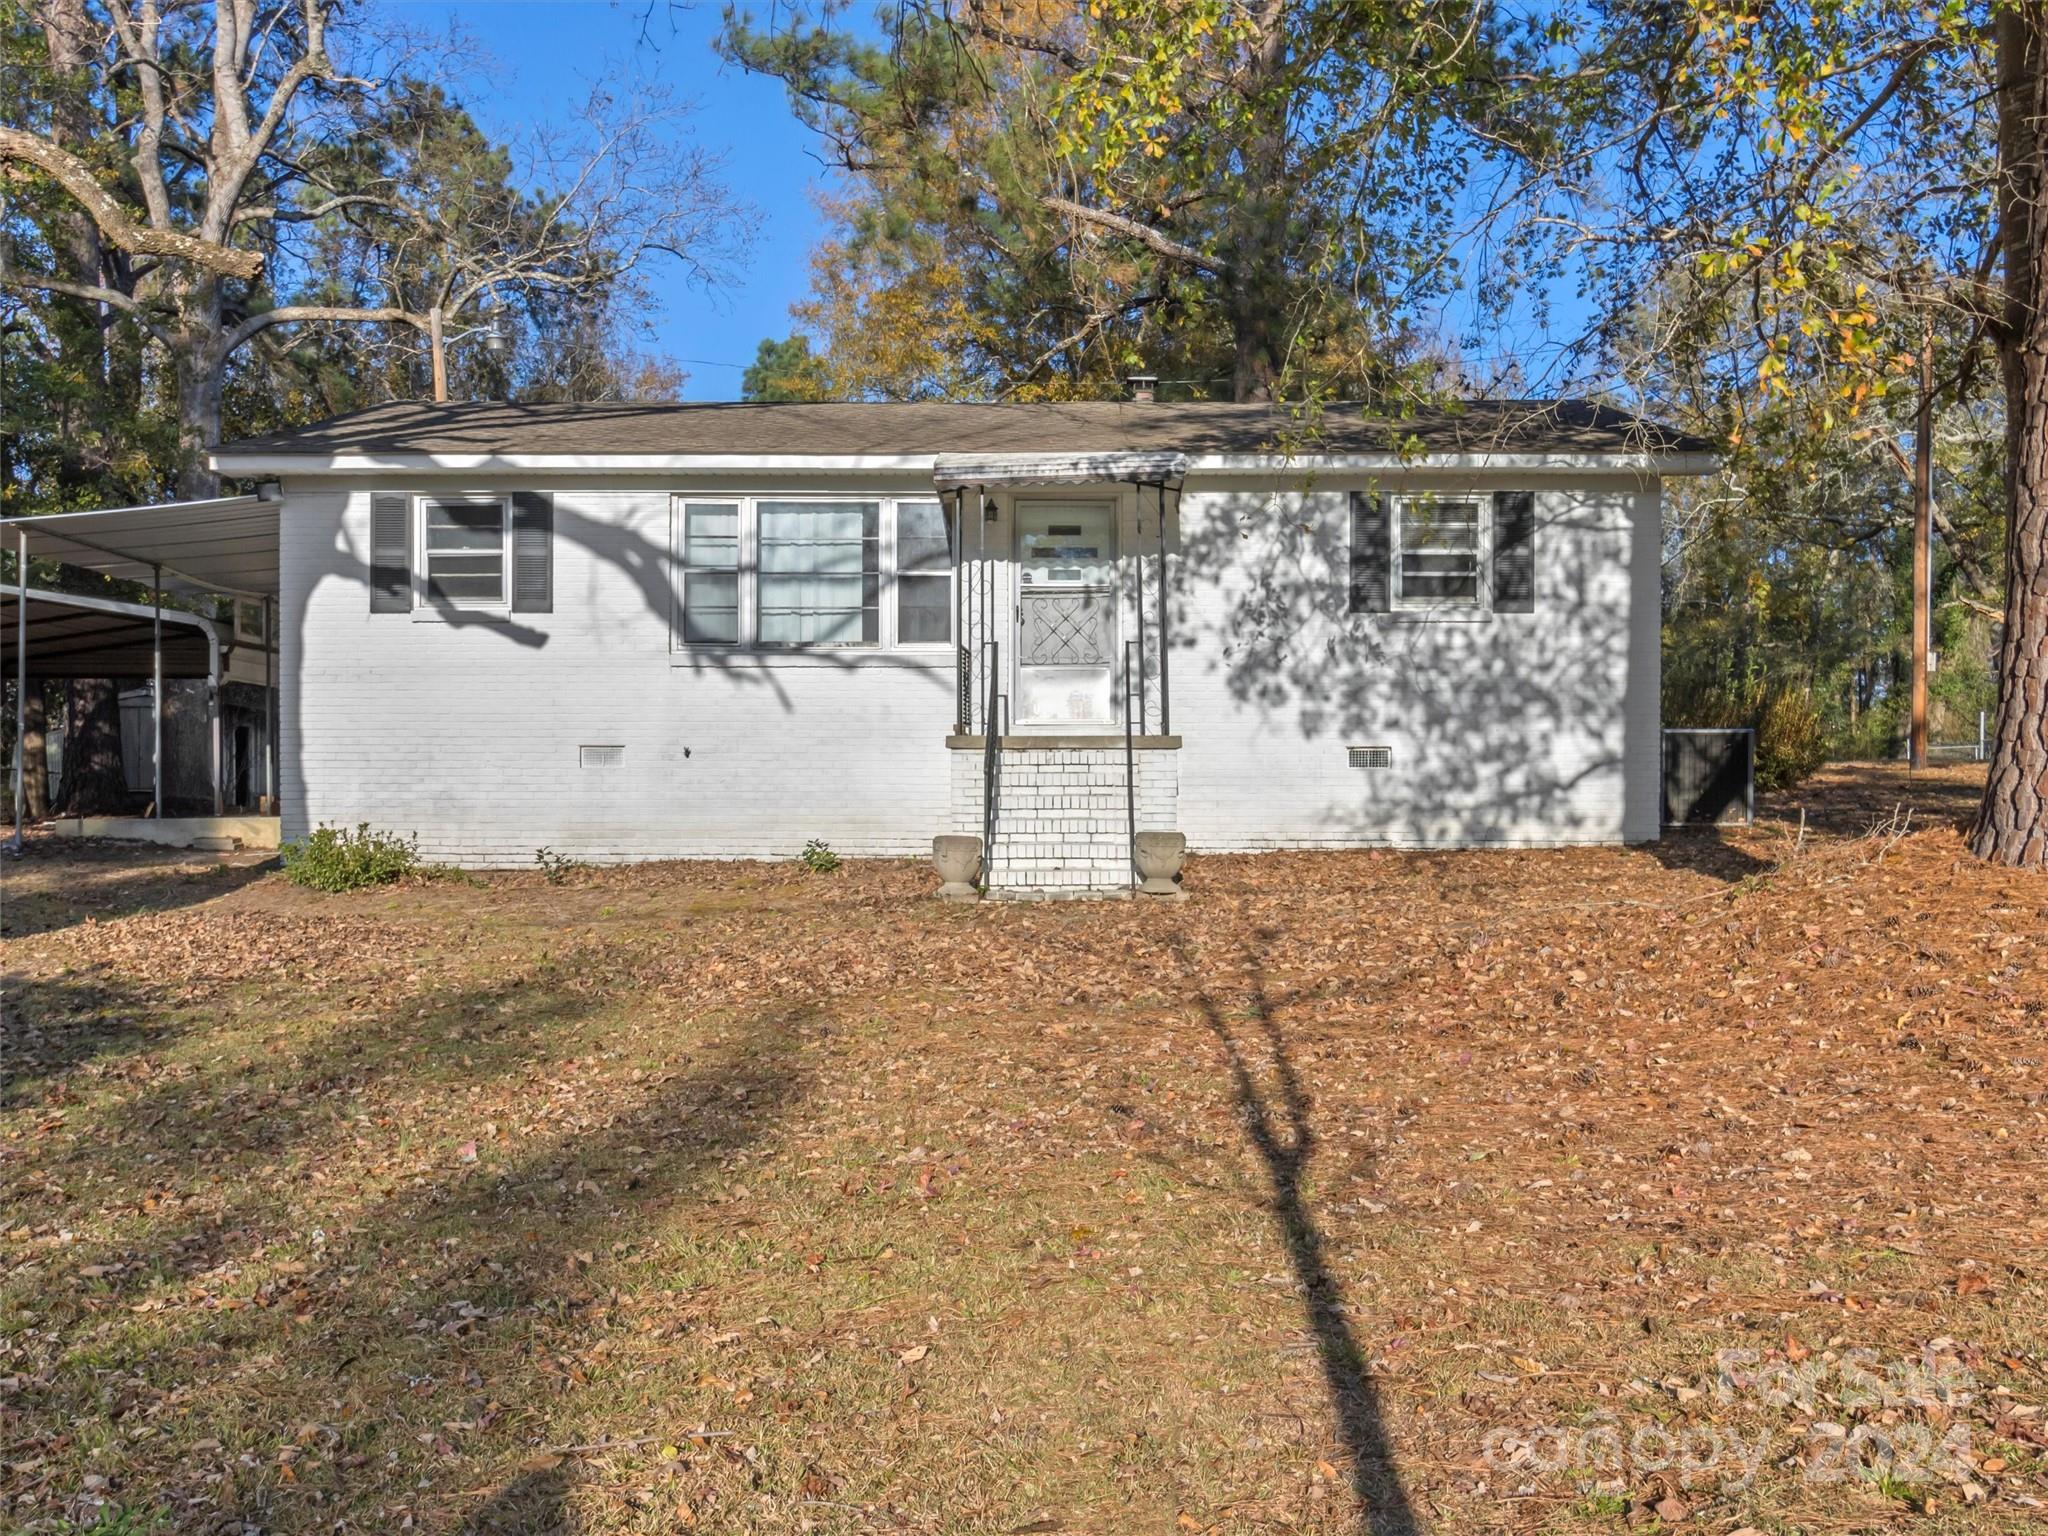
x=1245, y=199
x=818, y=857
x=1791, y=570
x=557, y=867
x=785, y=370
x=336, y=859
x=1791, y=740
x=120, y=1520
x=372, y=201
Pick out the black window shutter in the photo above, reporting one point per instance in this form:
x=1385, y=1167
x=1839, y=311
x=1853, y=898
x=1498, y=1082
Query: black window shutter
x=533, y=552
x=390, y=554
x=1514, y=552
x=1369, y=553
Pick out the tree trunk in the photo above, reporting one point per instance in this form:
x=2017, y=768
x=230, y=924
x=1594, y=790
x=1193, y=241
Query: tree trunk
x=2012, y=825
x=77, y=326
x=1923, y=553
x=199, y=394
x=200, y=363
x=94, y=783
x=1255, y=294
x=35, y=761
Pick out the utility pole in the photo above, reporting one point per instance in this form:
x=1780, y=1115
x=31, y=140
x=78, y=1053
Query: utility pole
x=1923, y=526
x=440, y=356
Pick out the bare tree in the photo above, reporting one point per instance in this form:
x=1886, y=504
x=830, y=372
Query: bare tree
x=242, y=138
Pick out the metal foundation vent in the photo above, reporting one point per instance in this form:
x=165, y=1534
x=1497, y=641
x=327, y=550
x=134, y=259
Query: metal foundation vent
x=1371, y=757
x=601, y=757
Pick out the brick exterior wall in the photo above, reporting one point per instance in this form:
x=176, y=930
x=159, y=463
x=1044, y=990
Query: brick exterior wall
x=1536, y=728
x=1063, y=817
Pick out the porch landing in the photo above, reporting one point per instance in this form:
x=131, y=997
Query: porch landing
x=220, y=834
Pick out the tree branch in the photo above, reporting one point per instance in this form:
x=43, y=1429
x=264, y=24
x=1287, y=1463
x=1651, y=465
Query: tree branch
x=1144, y=234
x=92, y=293
x=296, y=314
x=71, y=174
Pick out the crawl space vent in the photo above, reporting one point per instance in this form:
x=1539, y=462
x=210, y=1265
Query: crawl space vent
x=1372, y=757
x=601, y=757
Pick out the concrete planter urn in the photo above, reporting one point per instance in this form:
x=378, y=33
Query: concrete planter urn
x=957, y=858
x=1160, y=856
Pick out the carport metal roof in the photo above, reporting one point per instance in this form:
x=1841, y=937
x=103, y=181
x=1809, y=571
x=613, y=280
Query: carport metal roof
x=71, y=634
x=224, y=544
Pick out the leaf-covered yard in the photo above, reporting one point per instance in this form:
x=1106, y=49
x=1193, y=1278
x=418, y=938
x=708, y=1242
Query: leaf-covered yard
x=1695, y=1187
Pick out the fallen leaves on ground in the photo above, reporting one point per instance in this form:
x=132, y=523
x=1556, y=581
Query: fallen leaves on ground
x=732, y=1197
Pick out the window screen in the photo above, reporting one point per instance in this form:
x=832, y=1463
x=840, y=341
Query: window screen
x=924, y=574
x=465, y=553
x=820, y=581
x=711, y=572
x=1439, y=544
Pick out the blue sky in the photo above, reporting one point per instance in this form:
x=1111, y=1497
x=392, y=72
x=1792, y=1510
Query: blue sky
x=549, y=52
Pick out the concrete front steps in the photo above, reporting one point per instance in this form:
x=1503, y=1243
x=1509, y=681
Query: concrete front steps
x=1064, y=804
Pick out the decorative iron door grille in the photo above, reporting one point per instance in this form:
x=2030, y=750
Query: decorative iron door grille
x=1067, y=629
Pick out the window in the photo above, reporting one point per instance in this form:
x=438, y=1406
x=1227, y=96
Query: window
x=792, y=572
x=463, y=553
x=821, y=572
x=1439, y=552
x=924, y=575
x=249, y=621
x=711, y=572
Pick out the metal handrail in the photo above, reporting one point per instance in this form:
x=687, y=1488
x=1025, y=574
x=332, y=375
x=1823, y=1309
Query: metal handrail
x=995, y=712
x=1130, y=772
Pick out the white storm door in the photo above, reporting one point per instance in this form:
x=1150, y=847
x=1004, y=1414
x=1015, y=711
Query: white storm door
x=1066, y=613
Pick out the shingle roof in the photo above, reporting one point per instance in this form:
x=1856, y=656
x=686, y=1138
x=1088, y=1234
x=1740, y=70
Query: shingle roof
x=918, y=427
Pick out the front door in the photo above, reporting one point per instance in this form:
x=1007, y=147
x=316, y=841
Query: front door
x=1066, y=612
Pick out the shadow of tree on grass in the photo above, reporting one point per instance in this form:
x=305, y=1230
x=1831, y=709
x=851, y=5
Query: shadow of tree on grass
x=1278, y=1123
x=419, y=1337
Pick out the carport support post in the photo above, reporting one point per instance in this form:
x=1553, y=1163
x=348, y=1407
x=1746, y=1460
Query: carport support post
x=156, y=691
x=269, y=712
x=20, y=681
x=213, y=712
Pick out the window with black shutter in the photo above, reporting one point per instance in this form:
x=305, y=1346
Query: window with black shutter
x=462, y=553
x=390, y=553
x=533, y=552
x=1370, y=553
x=1514, y=552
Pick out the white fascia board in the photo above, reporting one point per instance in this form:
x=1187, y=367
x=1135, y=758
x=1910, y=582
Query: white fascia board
x=1559, y=464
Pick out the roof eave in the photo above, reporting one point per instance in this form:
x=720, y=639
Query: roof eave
x=1658, y=462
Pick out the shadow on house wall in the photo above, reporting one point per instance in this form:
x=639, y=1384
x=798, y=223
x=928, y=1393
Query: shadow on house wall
x=1517, y=727
x=1533, y=726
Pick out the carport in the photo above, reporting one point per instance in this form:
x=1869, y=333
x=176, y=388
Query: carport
x=223, y=546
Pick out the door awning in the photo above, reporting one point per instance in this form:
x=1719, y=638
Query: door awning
x=223, y=544
x=962, y=471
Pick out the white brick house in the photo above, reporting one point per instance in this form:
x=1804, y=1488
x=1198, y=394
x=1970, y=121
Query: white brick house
x=660, y=631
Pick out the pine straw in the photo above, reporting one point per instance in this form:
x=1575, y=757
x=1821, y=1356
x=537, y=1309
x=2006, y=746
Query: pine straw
x=734, y=1196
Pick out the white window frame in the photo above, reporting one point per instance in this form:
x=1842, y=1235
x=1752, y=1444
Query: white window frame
x=743, y=569
x=1482, y=596
x=248, y=631
x=893, y=574
x=423, y=601
x=886, y=626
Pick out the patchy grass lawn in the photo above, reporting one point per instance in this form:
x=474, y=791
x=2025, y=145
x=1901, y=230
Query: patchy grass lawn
x=1694, y=1187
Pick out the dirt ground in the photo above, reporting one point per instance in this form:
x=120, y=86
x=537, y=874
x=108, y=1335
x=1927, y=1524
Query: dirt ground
x=1695, y=1187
